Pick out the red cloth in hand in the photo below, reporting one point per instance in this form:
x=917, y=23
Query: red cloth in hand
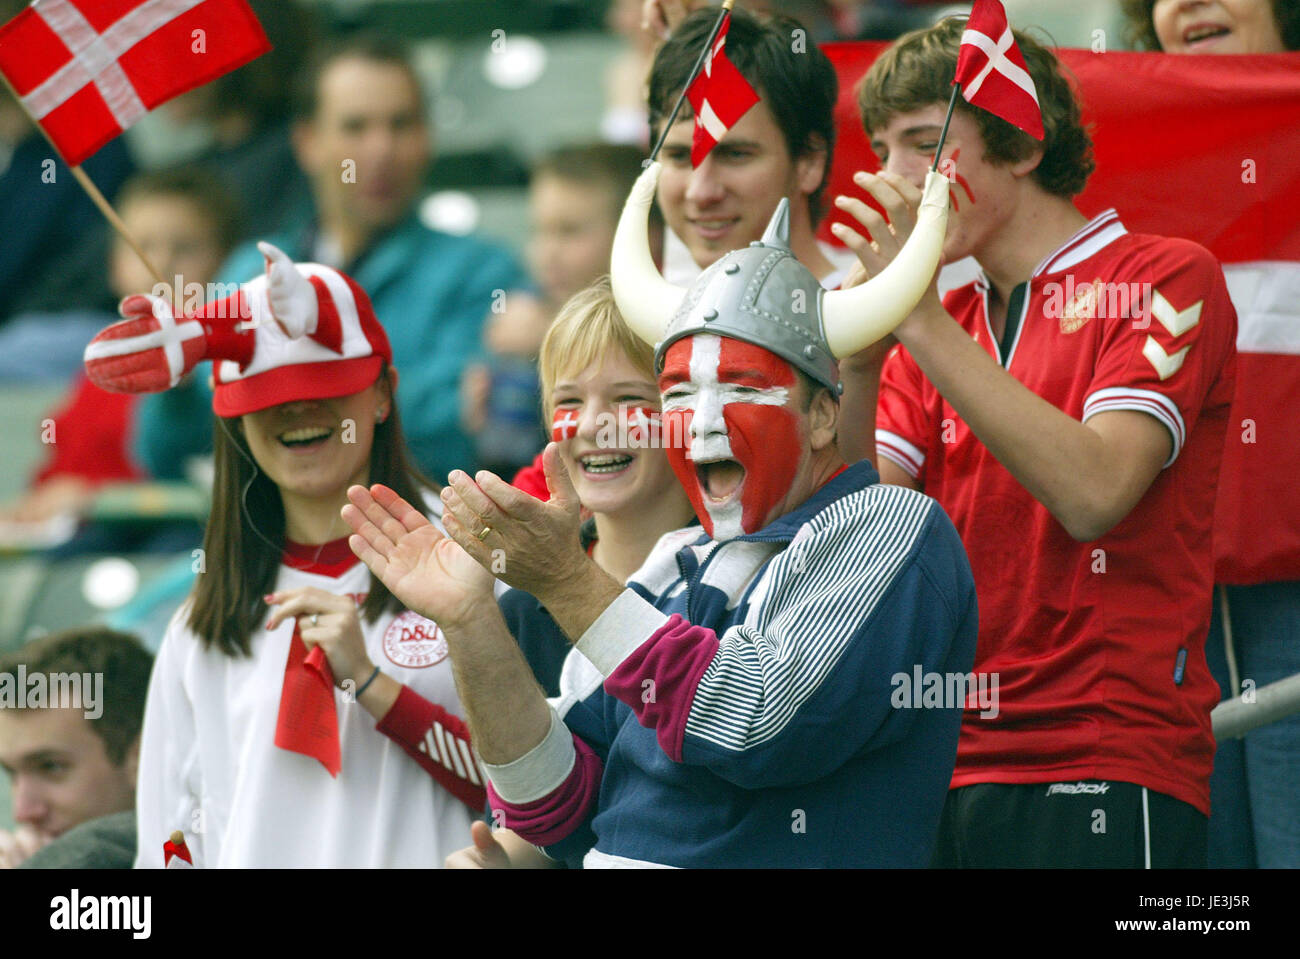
x=308, y=722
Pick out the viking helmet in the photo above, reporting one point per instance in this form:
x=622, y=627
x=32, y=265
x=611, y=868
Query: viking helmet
x=764, y=296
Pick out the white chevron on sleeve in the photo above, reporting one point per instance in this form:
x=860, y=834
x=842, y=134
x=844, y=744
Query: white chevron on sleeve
x=1165, y=364
x=1177, y=322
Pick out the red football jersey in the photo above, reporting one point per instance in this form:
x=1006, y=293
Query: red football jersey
x=1098, y=647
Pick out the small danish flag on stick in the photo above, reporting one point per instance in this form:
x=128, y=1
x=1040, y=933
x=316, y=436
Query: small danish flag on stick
x=717, y=91
x=719, y=94
x=176, y=855
x=991, y=70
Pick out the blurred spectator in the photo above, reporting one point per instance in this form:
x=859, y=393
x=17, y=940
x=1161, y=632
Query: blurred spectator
x=238, y=126
x=186, y=224
x=51, y=262
x=826, y=21
x=71, y=757
x=575, y=199
x=1255, y=626
x=624, y=120
x=362, y=137
x=1213, y=26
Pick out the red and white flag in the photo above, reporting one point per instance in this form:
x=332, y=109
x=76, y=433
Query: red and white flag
x=720, y=96
x=176, y=855
x=86, y=70
x=991, y=70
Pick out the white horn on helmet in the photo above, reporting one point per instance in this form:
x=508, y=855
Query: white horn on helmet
x=854, y=319
x=646, y=300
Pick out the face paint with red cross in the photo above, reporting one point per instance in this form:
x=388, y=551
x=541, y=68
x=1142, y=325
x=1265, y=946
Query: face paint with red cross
x=564, y=425
x=739, y=447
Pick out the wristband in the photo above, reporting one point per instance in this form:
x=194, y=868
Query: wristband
x=366, y=684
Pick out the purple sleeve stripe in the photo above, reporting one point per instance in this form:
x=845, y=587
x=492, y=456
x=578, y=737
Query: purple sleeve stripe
x=552, y=818
x=658, y=680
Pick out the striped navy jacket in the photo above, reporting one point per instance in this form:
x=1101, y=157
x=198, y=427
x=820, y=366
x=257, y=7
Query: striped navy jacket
x=736, y=705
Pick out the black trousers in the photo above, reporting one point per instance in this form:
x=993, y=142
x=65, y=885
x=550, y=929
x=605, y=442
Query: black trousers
x=1077, y=824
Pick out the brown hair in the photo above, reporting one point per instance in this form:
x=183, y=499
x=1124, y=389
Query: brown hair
x=371, y=47
x=917, y=70
x=245, y=535
x=613, y=167
x=208, y=194
x=585, y=330
x=118, y=657
x=1141, y=28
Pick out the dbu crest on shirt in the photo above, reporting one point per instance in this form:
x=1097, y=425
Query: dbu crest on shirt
x=414, y=642
x=1081, y=308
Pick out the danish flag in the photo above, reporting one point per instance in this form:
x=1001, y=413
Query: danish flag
x=992, y=72
x=176, y=855
x=720, y=95
x=86, y=70
x=564, y=425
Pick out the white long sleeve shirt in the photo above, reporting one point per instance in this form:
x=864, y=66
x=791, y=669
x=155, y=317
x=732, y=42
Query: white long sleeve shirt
x=408, y=788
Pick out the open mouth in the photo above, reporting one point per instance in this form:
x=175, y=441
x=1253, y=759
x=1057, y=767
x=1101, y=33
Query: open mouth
x=304, y=438
x=604, y=464
x=1204, y=31
x=721, y=479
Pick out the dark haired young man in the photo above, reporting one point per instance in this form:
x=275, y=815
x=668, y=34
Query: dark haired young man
x=73, y=764
x=1068, y=410
x=780, y=148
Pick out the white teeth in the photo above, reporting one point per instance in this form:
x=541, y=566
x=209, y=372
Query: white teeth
x=1202, y=32
x=305, y=435
x=611, y=463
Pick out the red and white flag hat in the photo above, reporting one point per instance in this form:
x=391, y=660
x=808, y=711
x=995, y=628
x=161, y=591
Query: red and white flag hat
x=992, y=71
x=298, y=332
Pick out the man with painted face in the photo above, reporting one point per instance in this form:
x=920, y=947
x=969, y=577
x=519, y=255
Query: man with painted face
x=741, y=702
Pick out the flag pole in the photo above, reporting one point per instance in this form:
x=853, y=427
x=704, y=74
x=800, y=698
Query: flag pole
x=943, y=134
x=92, y=191
x=695, y=72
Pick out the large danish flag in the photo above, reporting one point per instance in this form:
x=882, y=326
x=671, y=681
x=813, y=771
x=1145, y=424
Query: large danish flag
x=720, y=95
x=991, y=70
x=86, y=70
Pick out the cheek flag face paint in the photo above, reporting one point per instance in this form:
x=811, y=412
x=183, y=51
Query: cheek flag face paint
x=641, y=425
x=732, y=400
x=564, y=425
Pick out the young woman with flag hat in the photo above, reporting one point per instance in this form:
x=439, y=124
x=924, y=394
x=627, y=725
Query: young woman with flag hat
x=260, y=740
